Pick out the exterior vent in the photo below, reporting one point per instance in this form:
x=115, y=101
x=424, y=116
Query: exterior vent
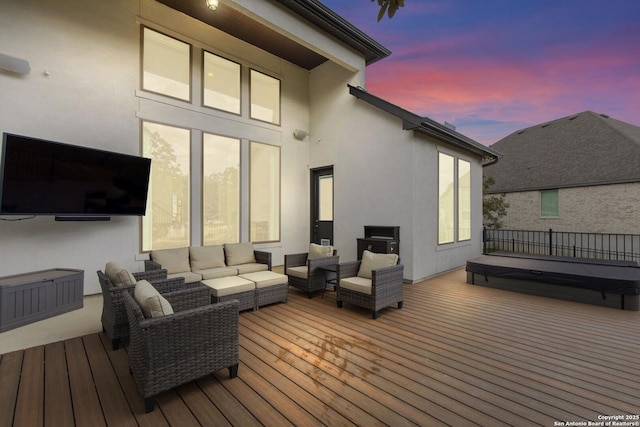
x=605, y=116
x=449, y=126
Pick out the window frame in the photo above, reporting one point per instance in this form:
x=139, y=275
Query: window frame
x=150, y=199
x=557, y=204
x=203, y=218
x=204, y=76
x=142, y=64
x=453, y=200
x=251, y=94
x=252, y=192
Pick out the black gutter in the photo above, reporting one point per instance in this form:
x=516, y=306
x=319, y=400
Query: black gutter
x=332, y=23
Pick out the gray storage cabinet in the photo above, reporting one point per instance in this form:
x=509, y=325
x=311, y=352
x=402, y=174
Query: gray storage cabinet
x=29, y=297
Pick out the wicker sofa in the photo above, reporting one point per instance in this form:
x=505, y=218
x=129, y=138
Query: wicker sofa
x=115, y=282
x=179, y=337
x=374, y=283
x=197, y=263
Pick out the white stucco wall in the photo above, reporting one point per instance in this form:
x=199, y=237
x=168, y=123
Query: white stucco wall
x=593, y=209
x=83, y=89
x=384, y=175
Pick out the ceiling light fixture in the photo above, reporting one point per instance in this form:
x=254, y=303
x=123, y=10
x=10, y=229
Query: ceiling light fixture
x=212, y=4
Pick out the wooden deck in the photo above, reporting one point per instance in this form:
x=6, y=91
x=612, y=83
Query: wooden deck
x=456, y=354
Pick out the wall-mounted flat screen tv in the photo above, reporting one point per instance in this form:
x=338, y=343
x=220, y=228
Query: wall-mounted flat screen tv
x=39, y=177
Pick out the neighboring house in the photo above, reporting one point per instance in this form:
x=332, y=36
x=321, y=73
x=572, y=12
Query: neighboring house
x=580, y=173
x=215, y=98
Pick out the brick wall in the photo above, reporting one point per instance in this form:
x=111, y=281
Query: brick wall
x=597, y=209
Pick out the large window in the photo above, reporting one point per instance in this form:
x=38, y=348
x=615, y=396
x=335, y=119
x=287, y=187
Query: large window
x=220, y=189
x=167, y=221
x=464, y=200
x=265, y=98
x=221, y=83
x=549, y=204
x=166, y=65
x=454, y=199
x=264, y=215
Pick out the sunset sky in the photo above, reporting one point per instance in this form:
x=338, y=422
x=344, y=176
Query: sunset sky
x=491, y=67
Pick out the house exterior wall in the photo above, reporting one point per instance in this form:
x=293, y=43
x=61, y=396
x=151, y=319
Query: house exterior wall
x=384, y=175
x=595, y=209
x=83, y=89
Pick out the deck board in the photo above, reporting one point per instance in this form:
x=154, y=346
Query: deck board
x=456, y=354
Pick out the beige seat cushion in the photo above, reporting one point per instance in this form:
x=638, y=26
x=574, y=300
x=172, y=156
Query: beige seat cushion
x=373, y=261
x=317, y=251
x=214, y=273
x=189, y=277
x=251, y=267
x=118, y=274
x=301, y=272
x=264, y=279
x=239, y=253
x=206, y=257
x=150, y=301
x=229, y=285
x=358, y=284
x=174, y=260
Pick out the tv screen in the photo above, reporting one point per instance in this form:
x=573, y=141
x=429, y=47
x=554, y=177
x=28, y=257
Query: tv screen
x=39, y=177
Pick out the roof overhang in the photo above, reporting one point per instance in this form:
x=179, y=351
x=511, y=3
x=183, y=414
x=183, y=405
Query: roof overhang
x=429, y=127
x=233, y=21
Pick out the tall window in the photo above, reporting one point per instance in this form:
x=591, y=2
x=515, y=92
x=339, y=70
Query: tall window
x=464, y=200
x=166, y=65
x=549, y=207
x=265, y=98
x=220, y=189
x=221, y=83
x=264, y=214
x=446, y=199
x=454, y=199
x=166, y=223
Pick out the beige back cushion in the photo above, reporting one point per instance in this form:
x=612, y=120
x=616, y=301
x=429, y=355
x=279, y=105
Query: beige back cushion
x=318, y=251
x=174, y=260
x=150, y=301
x=118, y=274
x=206, y=257
x=239, y=253
x=373, y=261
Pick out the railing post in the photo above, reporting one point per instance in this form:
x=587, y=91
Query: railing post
x=550, y=241
x=484, y=240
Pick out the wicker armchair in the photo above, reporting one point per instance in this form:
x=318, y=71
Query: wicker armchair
x=385, y=287
x=114, y=315
x=168, y=351
x=304, y=273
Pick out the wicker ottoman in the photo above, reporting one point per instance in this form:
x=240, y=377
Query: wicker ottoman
x=233, y=287
x=270, y=287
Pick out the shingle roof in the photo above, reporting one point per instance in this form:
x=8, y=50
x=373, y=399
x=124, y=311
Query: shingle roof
x=575, y=151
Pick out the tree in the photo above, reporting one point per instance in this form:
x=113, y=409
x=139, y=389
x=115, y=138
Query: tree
x=494, y=208
x=390, y=7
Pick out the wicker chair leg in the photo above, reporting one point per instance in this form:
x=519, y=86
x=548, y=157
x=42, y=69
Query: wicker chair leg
x=400, y=304
x=233, y=370
x=115, y=343
x=339, y=303
x=149, y=404
x=375, y=315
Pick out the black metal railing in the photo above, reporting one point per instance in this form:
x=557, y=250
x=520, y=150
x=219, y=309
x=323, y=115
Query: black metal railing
x=563, y=243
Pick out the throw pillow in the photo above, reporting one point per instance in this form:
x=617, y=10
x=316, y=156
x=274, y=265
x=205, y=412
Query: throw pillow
x=373, y=261
x=318, y=251
x=150, y=301
x=205, y=257
x=118, y=274
x=239, y=253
